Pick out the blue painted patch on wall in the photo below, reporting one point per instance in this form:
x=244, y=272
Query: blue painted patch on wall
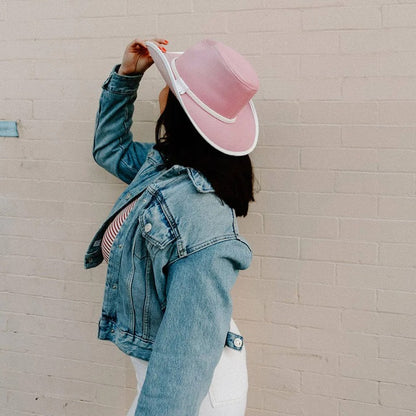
x=8, y=129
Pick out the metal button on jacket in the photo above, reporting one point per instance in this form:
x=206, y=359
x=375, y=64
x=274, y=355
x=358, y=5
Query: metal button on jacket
x=147, y=227
x=238, y=342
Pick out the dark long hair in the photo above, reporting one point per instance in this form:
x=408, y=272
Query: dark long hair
x=180, y=144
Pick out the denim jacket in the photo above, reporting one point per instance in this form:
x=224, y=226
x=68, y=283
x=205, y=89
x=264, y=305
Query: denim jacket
x=171, y=267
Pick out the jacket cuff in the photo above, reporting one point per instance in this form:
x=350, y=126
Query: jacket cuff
x=122, y=84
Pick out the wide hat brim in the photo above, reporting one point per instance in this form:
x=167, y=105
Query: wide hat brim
x=237, y=138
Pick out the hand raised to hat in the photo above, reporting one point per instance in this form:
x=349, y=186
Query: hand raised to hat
x=136, y=58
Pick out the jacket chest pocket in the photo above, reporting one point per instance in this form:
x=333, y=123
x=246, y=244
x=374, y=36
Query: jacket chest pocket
x=153, y=231
x=154, y=227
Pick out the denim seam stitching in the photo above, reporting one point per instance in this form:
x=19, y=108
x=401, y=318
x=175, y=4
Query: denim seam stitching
x=129, y=333
x=205, y=245
x=113, y=90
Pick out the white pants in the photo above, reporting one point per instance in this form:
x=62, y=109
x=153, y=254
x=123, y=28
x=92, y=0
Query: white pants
x=223, y=398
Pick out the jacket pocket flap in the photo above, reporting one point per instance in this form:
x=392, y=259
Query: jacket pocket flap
x=155, y=228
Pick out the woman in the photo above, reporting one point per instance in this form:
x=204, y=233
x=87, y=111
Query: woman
x=171, y=240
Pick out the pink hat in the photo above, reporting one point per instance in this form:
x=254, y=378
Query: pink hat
x=214, y=84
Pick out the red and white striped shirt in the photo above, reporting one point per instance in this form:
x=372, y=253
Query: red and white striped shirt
x=114, y=228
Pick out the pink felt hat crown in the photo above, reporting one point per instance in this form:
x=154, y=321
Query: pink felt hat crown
x=214, y=84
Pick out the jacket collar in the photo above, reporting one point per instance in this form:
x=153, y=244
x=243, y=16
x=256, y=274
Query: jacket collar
x=200, y=182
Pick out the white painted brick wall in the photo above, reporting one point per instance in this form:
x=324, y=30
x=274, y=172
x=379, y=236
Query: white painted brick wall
x=327, y=307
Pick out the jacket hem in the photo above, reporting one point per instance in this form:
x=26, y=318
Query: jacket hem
x=126, y=342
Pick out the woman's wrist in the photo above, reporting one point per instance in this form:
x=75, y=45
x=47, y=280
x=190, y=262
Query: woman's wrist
x=121, y=71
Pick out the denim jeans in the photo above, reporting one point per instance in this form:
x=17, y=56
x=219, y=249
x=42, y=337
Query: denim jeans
x=227, y=394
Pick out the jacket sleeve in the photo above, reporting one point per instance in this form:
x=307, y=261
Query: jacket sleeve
x=192, y=334
x=114, y=148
